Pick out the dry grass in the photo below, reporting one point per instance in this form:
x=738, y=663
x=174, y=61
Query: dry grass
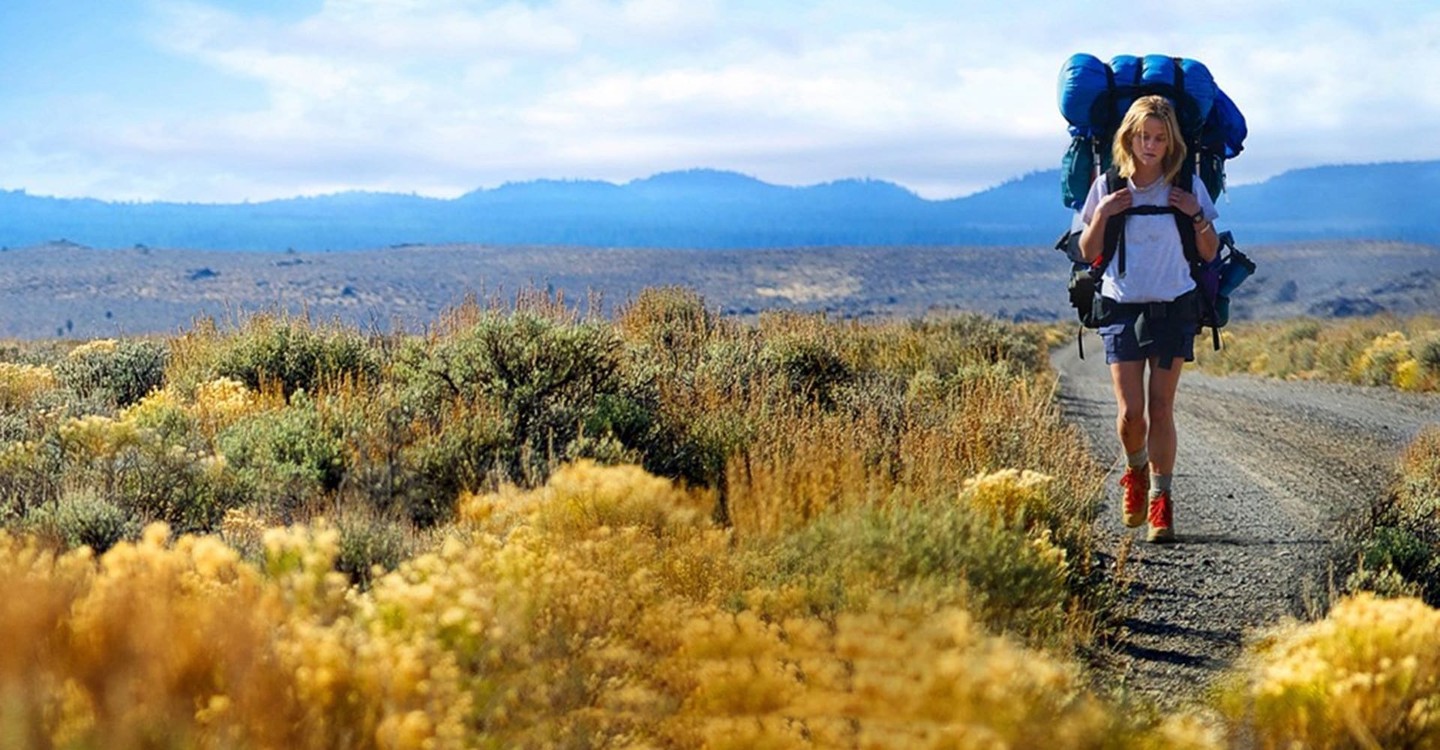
x=602, y=609
x=549, y=530
x=1402, y=353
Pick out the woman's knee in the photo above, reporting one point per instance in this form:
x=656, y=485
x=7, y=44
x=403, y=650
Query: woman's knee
x=1162, y=407
x=1131, y=418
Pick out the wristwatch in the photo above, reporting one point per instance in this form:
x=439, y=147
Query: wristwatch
x=1198, y=217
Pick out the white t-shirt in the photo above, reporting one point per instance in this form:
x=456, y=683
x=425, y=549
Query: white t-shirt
x=1155, y=267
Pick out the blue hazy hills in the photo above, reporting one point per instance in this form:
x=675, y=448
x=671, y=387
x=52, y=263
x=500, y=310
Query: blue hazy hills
x=704, y=208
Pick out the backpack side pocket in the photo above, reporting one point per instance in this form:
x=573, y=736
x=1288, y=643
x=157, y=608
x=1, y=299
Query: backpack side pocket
x=1091, y=308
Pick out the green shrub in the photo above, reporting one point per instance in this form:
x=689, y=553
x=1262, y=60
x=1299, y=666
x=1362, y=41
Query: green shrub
x=1394, y=562
x=1399, y=555
x=1426, y=350
x=922, y=549
x=83, y=518
x=544, y=379
x=991, y=341
x=1301, y=330
x=152, y=480
x=286, y=458
x=119, y=373
x=808, y=367
x=31, y=401
x=294, y=356
x=368, y=542
x=470, y=450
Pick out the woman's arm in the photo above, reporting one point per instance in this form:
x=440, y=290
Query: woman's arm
x=1207, y=240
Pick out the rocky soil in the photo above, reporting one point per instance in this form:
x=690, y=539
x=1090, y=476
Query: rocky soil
x=1270, y=477
x=63, y=289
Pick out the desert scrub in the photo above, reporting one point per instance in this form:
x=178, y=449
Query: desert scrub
x=926, y=436
x=945, y=346
x=1379, y=351
x=965, y=552
x=672, y=325
x=543, y=379
x=602, y=608
x=286, y=459
x=22, y=385
x=699, y=642
x=81, y=518
x=137, y=470
x=1368, y=675
x=117, y=373
x=369, y=545
x=180, y=643
x=1382, y=359
x=1400, y=553
x=274, y=351
x=806, y=364
x=30, y=401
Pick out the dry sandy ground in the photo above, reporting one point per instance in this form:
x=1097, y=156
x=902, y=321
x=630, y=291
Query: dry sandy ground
x=75, y=292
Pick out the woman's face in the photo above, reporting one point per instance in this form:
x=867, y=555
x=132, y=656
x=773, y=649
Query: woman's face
x=1151, y=142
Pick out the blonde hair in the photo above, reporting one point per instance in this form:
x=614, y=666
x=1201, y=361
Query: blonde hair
x=1161, y=109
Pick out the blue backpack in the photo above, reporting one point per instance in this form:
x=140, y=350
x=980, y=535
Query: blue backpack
x=1094, y=97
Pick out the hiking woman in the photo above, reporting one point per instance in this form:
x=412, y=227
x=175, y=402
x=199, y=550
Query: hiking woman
x=1149, y=300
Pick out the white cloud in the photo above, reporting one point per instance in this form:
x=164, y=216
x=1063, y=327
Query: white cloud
x=442, y=96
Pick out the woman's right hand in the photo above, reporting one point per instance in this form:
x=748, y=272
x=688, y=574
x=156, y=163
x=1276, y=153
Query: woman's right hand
x=1115, y=203
x=1111, y=204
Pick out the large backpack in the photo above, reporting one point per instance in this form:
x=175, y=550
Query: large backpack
x=1094, y=97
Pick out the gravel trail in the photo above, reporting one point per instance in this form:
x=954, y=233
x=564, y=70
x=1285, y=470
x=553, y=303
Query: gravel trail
x=1269, y=475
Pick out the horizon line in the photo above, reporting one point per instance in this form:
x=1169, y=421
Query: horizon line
x=620, y=185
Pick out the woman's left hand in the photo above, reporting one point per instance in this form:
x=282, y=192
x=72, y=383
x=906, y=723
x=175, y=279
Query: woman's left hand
x=1184, y=200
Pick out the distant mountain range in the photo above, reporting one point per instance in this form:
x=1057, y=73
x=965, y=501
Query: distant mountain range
x=705, y=209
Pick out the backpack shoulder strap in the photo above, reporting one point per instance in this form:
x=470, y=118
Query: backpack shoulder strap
x=1185, y=225
x=1114, y=243
x=1189, y=243
x=1113, y=180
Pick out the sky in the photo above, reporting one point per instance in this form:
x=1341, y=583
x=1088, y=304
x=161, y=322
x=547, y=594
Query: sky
x=217, y=101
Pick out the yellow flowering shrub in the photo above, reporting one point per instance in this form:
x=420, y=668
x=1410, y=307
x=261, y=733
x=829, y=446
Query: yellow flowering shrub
x=1377, y=364
x=222, y=402
x=213, y=406
x=1382, y=350
x=94, y=347
x=598, y=610
x=1018, y=498
x=1368, y=675
x=98, y=438
x=1409, y=375
x=154, y=645
x=154, y=409
x=21, y=385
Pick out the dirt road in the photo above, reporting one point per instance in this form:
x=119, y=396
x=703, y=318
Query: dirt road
x=1269, y=476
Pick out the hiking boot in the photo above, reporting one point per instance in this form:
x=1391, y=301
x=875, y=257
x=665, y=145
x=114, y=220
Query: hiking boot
x=1136, y=483
x=1162, y=524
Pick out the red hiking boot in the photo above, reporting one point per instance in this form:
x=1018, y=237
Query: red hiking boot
x=1162, y=524
x=1136, y=483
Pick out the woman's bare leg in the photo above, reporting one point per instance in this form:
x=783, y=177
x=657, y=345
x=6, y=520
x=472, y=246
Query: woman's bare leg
x=1161, y=410
x=1130, y=423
